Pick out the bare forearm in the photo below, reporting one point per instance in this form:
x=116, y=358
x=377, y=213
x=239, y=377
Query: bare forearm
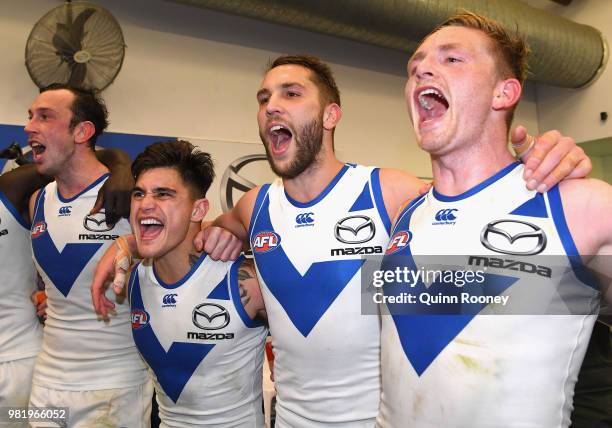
x=19, y=184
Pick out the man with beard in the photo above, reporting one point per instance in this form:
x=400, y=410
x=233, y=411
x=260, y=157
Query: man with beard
x=308, y=231
x=513, y=363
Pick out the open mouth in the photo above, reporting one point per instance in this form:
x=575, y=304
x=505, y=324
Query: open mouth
x=280, y=137
x=150, y=228
x=431, y=103
x=37, y=149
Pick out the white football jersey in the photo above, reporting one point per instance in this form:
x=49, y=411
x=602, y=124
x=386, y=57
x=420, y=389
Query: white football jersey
x=508, y=352
x=79, y=351
x=205, y=351
x=308, y=257
x=20, y=331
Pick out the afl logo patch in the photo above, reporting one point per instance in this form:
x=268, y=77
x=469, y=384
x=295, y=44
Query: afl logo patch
x=399, y=241
x=266, y=241
x=139, y=318
x=38, y=229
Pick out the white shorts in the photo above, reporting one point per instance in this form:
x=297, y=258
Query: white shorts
x=123, y=407
x=15, y=385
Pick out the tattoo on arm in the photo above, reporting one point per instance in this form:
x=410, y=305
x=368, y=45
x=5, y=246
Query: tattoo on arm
x=250, y=294
x=243, y=275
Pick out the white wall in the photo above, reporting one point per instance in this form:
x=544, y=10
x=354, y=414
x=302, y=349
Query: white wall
x=190, y=72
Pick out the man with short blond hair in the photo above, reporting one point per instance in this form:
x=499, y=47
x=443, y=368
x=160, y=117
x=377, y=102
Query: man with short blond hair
x=505, y=350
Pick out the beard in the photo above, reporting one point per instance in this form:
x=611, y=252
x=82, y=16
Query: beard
x=308, y=142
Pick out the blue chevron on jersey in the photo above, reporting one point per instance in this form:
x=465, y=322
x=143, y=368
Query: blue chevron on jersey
x=534, y=207
x=425, y=335
x=364, y=200
x=425, y=329
x=54, y=262
x=220, y=291
x=174, y=367
x=319, y=286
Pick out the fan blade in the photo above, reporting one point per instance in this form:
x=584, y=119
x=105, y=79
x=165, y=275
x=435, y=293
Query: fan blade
x=77, y=75
x=77, y=30
x=62, y=42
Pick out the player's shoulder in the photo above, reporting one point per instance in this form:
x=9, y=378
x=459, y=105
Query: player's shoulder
x=585, y=193
x=587, y=203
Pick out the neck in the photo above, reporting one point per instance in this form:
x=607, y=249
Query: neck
x=465, y=167
x=79, y=172
x=310, y=183
x=174, y=265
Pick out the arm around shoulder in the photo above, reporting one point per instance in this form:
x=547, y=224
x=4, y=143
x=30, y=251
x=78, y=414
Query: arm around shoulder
x=238, y=219
x=19, y=184
x=398, y=188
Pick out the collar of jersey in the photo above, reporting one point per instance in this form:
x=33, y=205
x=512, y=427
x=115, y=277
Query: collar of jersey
x=324, y=193
x=183, y=279
x=88, y=188
x=443, y=198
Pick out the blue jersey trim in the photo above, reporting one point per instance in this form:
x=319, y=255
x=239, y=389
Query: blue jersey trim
x=411, y=205
x=378, y=198
x=478, y=187
x=324, y=193
x=39, y=197
x=263, y=191
x=91, y=186
x=556, y=208
x=182, y=280
x=234, y=287
x=130, y=285
x=11, y=208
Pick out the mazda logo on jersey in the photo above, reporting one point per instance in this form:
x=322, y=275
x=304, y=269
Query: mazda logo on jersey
x=355, y=229
x=139, y=318
x=38, y=229
x=265, y=241
x=399, y=241
x=210, y=316
x=514, y=237
x=96, y=222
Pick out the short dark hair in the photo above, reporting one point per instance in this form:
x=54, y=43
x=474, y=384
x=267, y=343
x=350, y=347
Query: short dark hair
x=322, y=74
x=87, y=106
x=195, y=167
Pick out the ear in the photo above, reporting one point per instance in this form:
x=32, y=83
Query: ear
x=331, y=116
x=506, y=94
x=200, y=208
x=83, y=131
